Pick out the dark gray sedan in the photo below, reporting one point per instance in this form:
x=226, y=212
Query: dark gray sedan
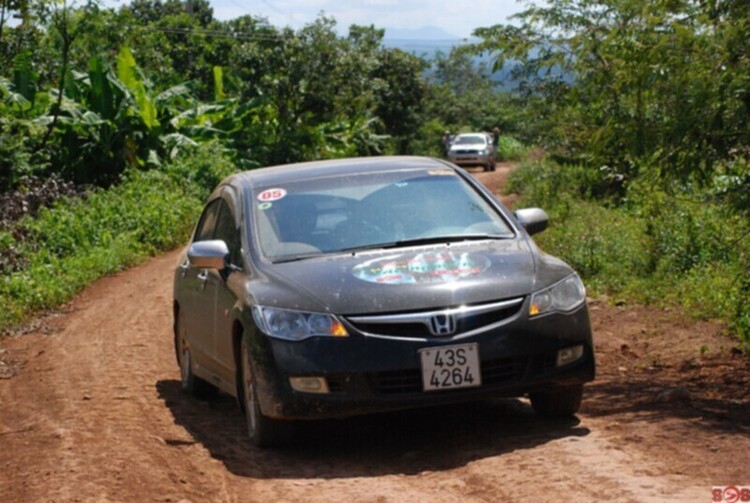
x=335, y=288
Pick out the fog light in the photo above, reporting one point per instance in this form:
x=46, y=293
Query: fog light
x=569, y=355
x=309, y=384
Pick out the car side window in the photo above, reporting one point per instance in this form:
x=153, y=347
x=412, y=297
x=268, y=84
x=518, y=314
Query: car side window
x=227, y=231
x=207, y=223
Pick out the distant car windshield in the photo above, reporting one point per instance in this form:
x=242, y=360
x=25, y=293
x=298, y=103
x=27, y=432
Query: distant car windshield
x=472, y=139
x=333, y=214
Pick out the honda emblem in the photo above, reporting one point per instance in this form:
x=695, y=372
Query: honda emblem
x=442, y=324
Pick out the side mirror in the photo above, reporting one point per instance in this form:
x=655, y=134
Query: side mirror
x=534, y=220
x=208, y=254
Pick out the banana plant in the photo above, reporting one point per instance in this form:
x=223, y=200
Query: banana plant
x=111, y=120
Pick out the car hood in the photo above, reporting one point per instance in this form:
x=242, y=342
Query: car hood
x=415, y=278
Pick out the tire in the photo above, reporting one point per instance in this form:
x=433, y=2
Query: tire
x=557, y=403
x=488, y=167
x=189, y=382
x=262, y=430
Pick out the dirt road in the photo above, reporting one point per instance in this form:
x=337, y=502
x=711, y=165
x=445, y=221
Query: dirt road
x=90, y=410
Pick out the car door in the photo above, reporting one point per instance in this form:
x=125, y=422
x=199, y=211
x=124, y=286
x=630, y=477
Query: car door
x=223, y=285
x=197, y=305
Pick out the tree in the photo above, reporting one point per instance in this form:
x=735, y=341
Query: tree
x=399, y=96
x=631, y=84
x=462, y=94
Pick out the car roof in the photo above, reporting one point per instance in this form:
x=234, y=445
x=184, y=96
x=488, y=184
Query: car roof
x=350, y=166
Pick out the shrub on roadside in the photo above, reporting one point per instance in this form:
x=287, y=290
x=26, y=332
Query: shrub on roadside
x=201, y=170
x=545, y=181
x=77, y=240
x=602, y=244
x=510, y=149
x=658, y=248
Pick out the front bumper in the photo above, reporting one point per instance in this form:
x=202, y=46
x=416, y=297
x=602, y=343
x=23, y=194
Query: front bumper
x=472, y=159
x=367, y=374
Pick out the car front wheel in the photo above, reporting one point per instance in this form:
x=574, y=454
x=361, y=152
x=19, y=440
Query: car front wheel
x=263, y=430
x=558, y=402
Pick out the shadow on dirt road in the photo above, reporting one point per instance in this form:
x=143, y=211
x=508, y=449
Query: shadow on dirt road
x=652, y=399
x=405, y=442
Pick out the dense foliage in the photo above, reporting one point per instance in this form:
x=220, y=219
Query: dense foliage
x=76, y=240
x=90, y=92
x=643, y=108
x=660, y=86
x=114, y=124
x=655, y=249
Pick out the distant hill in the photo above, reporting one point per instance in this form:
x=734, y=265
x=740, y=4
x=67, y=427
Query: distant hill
x=427, y=41
x=423, y=33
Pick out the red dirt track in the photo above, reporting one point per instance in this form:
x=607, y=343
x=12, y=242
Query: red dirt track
x=91, y=410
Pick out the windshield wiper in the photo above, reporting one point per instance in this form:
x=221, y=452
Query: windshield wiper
x=297, y=258
x=454, y=238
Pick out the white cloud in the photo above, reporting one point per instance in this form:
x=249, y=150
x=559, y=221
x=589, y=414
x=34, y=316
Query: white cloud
x=454, y=17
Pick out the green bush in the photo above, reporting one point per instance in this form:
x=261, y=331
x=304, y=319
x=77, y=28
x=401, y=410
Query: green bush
x=510, y=149
x=429, y=140
x=602, y=244
x=199, y=171
x=545, y=181
x=76, y=241
x=689, y=249
x=683, y=232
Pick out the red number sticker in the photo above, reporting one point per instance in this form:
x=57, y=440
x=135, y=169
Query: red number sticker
x=270, y=195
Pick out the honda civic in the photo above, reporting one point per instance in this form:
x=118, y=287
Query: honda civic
x=337, y=288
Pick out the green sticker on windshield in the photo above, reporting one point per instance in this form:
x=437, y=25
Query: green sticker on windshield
x=264, y=206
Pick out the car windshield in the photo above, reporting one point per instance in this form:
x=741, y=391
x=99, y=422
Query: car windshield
x=472, y=139
x=389, y=209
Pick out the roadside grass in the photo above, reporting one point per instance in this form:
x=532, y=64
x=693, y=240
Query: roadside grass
x=76, y=241
x=652, y=247
x=510, y=149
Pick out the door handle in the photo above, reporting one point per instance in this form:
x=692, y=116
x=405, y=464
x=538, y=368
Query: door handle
x=203, y=277
x=184, y=267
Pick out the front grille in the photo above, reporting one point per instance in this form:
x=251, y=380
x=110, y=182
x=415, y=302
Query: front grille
x=417, y=324
x=481, y=320
x=503, y=371
x=405, y=382
x=337, y=384
x=396, y=382
x=394, y=329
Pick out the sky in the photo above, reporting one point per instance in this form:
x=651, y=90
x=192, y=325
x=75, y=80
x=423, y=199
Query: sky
x=455, y=18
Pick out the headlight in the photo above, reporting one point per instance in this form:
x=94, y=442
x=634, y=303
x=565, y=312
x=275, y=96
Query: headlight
x=293, y=325
x=566, y=295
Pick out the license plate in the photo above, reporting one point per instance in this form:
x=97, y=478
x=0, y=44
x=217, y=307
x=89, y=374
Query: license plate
x=450, y=367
